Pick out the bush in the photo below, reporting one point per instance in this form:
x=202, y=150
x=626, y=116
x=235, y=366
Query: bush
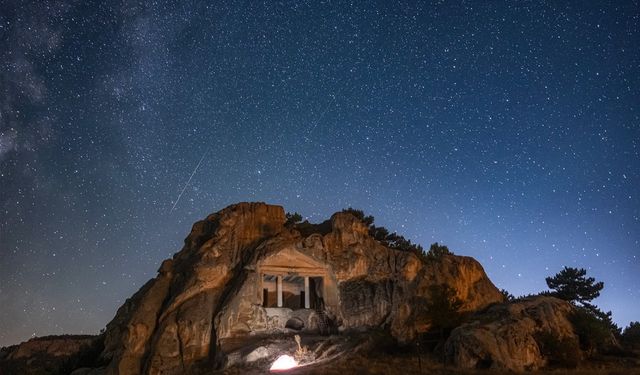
x=437, y=251
x=594, y=333
x=442, y=307
x=508, y=297
x=292, y=219
x=631, y=335
x=559, y=352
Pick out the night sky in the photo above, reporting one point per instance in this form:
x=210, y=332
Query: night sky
x=508, y=131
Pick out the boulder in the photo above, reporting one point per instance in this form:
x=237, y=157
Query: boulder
x=52, y=346
x=57, y=354
x=295, y=324
x=505, y=335
x=259, y=353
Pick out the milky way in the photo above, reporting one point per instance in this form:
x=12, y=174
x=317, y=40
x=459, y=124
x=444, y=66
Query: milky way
x=510, y=133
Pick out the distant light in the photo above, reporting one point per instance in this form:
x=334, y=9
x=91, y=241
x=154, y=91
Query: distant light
x=284, y=362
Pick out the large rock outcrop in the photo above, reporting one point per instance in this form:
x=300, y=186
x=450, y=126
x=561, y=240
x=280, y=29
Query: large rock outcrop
x=506, y=336
x=53, y=346
x=49, y=354
x=211, y=294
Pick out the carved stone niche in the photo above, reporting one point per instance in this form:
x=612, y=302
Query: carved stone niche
x=288, y=290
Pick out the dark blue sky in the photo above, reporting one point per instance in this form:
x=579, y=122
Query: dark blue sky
x=508, y=131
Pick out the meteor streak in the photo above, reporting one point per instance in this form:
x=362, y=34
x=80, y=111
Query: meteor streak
x=188, y=181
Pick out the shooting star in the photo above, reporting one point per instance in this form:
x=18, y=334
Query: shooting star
x=188, y=181
x=315, y=123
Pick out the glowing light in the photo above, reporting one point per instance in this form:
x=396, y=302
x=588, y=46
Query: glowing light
x=284, y=362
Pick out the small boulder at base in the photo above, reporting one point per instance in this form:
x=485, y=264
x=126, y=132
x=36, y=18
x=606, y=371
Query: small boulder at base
x=295, y=323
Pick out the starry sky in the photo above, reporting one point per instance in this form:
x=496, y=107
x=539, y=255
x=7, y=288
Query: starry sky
x=508, y=131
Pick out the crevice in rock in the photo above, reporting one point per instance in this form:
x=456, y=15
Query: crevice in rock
x=238, y=278
x=180, y=344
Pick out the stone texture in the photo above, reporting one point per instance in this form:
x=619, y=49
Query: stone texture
x=52, y=346
x=259, y=353
x=209, y=296
x=503, y=337
x=49, y=354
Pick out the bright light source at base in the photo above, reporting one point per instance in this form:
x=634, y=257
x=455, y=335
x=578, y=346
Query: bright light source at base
x=284, y=362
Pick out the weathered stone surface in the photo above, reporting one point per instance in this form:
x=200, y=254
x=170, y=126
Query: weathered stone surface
x=294, y=323
x=50, y=354
x=260, y=352
x=466, y=276
x=169, y=321
x=211, y=294
x=53, y=346
x=504, y=336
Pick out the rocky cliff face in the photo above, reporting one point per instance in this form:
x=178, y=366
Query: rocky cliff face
x=210, y=293
x=506, y=335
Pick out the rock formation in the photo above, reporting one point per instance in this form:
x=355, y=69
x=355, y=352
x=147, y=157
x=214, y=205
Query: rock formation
x=54, y=346
x=219, y=290
x=49, y=354
x=506, y=336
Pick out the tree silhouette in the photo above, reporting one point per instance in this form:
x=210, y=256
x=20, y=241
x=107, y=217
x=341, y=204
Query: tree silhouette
x=436, y=252
x=442, y=307
x=571, y=284
x=631, y=334
x=292, y=219
x=507, y=296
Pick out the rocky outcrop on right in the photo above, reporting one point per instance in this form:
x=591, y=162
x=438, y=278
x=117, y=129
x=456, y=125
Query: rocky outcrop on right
x=506, y=336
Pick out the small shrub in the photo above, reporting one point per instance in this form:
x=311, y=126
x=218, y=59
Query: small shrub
x=292, y=219
x=507, y=296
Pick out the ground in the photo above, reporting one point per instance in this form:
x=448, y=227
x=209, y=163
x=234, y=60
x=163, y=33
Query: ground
x=357, y=354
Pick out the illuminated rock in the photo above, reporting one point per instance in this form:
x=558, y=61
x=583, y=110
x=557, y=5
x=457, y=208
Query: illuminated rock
x=242, y=273
x=504, y=336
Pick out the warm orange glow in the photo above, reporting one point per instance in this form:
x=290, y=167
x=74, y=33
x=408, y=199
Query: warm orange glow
x=284, y=362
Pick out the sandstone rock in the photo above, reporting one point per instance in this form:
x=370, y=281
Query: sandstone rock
x=294, y=323
x=220, y=289
x=50, y=354
x=257, y=354
x=504, y=336
x=53, y=346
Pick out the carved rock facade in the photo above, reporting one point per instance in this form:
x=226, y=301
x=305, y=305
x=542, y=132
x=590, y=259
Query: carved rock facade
x=242, y=273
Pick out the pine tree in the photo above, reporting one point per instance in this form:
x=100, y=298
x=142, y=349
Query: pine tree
x=443, y=306
x=571, y=284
